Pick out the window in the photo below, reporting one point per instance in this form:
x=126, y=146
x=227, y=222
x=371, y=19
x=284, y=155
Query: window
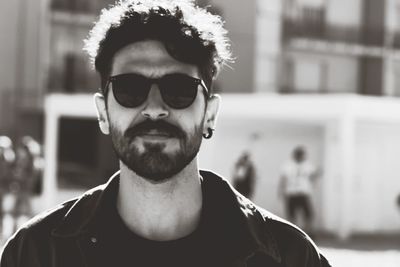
x=85, y=156
x=308, y=76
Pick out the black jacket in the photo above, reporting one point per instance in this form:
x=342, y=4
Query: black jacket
x=63, y=237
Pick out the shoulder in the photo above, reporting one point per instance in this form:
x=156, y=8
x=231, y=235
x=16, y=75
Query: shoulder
x=24, y=243
x=38, y=234
x=45, y=221
x=274, y=237
x=293, y=244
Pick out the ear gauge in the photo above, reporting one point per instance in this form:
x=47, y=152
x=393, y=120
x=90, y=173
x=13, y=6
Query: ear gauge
x=209, y=133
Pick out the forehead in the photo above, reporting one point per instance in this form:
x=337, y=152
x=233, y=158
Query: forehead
x=149, y=58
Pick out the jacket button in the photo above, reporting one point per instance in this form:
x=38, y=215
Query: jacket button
x=93, y=239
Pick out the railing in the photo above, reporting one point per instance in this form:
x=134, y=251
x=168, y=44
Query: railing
x=310, y=23
x=324, y=84
x=72, y=78
x=80, y=6
x=304, y=22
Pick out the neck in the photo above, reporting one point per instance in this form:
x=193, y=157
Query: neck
x=161, y=211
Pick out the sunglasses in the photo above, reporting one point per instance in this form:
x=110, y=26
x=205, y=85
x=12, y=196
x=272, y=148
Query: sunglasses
x=177, y=90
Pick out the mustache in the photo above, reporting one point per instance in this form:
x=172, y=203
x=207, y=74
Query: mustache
x=149, y=125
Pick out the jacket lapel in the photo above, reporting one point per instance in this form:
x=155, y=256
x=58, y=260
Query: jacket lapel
x=238, y=221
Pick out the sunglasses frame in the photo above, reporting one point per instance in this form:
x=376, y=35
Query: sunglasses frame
x=153, y=81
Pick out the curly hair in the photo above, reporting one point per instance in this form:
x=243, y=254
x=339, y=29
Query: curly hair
x=189, y=33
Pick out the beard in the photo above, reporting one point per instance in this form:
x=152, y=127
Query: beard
x=153, y=163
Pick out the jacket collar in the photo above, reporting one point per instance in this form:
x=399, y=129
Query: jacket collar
x=237, y=216
x=85, y=211
x=243, y=220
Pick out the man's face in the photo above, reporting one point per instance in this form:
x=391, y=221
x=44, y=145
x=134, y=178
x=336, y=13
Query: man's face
x=153, y=140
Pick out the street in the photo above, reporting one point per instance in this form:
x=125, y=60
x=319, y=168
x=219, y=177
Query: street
x=360, y=258
x=362, y=251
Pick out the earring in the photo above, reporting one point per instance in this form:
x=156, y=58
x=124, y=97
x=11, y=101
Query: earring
x=209, y=134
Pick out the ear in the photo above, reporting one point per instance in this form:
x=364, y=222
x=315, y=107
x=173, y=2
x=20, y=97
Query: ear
x=210, y=120
x=102, y=116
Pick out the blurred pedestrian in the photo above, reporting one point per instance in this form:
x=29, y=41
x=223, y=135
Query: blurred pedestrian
x=244, y=175
x=398, y=201
x=7, y=158
x=26, y=173
x=157, y=60
x=296, y=186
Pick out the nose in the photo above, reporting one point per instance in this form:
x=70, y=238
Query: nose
x=155, y=108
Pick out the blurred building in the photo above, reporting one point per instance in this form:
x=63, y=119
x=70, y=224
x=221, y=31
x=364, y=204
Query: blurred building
x=287, y=51
x=334, y=46
x=334, y=65
x=44, y=55
x=291, y=46
x=22, y=69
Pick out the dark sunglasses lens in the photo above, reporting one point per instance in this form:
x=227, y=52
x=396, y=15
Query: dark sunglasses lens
x=179, y=90
x=130, y=90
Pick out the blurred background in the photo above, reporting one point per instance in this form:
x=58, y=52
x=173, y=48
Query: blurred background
x=321, y=74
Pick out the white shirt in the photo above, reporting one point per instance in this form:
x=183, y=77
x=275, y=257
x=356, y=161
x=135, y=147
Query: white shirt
x=298, y=177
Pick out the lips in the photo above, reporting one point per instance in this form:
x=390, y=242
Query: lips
x=154, y=129
x=155, y=133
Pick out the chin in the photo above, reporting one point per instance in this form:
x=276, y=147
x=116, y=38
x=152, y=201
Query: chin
x=157, y=166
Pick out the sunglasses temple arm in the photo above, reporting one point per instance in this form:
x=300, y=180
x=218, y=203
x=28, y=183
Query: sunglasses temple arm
x=205, y=88
x=105, y=89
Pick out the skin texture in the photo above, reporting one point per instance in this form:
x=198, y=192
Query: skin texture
x=160, y=194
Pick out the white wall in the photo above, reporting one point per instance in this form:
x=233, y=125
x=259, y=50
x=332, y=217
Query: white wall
x=8, y=24
x=356, y=145
x=309, y=74
x=272, y=147
x=334, y=73
x=376, y=183
x=19, y=28
x=354, y=139
x=392, y=11
x=240, y=22
x=391, y=76
x=268, y=45
x=344, y=12
x=342, y=76
x=364, y=202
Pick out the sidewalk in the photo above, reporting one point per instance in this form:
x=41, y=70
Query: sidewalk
x=362, y=251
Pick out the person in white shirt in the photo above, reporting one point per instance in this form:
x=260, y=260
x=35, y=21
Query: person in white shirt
x=296, y=187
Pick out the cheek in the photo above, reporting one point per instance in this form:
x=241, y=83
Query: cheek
x=190, y=120
x=121, y=117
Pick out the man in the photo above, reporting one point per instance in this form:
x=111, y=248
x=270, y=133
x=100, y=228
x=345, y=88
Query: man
x=296, y=186
x=26, y=172
x=157, y=60
x=7, y=161
x=398, y=201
